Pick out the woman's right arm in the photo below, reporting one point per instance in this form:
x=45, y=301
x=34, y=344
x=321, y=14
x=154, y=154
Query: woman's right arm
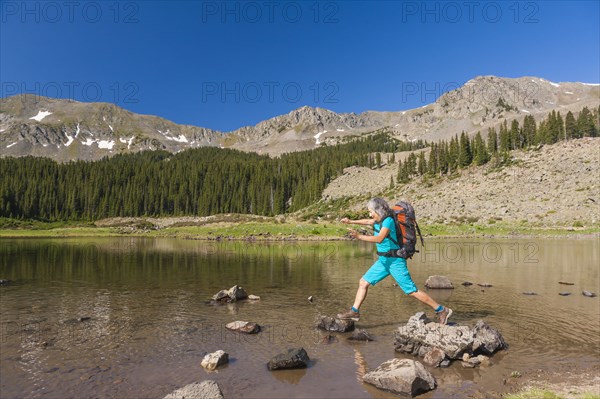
x=364, y=222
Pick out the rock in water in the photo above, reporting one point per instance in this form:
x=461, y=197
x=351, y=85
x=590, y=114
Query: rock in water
x=529, y=293
x=565, y=283
x=434, y=357
x=487, y=340
x=588, y=293
x=467, y=283
x=222, y=295
x=361, y=335
x=292, y=359
x=252, y=297
x=213, y=360
x=401, y=376
x=420, y=335
x=237, y=293
x=564, y=293
x=439, y=282
x=485, y=285
x=246, y=327
x=4, y=281
x=205, y=390
x=330, y=324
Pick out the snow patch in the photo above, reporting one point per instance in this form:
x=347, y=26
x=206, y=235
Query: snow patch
x=122, y=140
x=77, y=132
x=88, y=142
x=591, y=84
x=2, y=130
x=41, y=115
x=524, y=110
x=69, y=140
x=10, y=145
x=111, y=129
x=340, y=130
x=316, y=136
x=568, y=92
x=106, y=144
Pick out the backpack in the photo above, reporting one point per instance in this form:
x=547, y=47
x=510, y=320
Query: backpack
x=406, y=229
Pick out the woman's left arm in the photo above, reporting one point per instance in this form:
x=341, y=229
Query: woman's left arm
x=376, y=239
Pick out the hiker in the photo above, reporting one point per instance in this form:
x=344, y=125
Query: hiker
x=384, y=226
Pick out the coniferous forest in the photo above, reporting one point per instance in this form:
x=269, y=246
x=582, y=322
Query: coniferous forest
x=207, y=181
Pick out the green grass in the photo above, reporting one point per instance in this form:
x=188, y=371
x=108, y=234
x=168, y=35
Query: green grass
x=537, y=393
x=534, y=393
x=255, y=227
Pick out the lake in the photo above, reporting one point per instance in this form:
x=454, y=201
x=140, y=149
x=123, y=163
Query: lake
x=150, y=322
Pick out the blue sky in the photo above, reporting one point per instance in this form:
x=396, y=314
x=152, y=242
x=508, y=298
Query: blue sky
x=224, y=65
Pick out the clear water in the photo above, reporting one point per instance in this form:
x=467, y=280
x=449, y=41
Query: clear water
x=150, y=323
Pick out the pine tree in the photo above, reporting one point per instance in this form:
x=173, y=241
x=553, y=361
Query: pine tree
x=571, y=130
x=465, y=156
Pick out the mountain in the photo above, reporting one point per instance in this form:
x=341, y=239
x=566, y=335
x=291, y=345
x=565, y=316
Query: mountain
x=66, y=130
x=480, y=103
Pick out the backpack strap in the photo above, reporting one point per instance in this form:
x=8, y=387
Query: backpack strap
x=398, y=231
x=419, y=231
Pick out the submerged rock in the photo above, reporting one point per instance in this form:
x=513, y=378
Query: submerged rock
x=330, y=324
x=204, y=390
x=564, y=293
x=4, y=281
x=420, y=335
x=438, y=282
x=466, y=283
x=485, y=285
x=292, y=359
x=565, y=283
x=252, y=297
x=213, y=360
x=529, y=293
x=246, y=327
x=401, y=376
x=361, y=335
x=588, y=294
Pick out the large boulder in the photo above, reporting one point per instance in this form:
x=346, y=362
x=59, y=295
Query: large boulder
x=331, y=324
x=292, y=359
x=204, y=390
x=401, y=376
x=246, y=327
x=420, y=335
x=439, y=282
x=213, y=360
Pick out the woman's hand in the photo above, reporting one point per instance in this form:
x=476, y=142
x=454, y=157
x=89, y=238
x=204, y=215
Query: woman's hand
x=353, y=233
x=345, y=220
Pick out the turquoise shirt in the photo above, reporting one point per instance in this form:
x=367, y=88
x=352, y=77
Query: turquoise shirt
x=386, y=244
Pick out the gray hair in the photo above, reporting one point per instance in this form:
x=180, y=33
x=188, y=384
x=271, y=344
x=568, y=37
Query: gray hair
x=380, y=207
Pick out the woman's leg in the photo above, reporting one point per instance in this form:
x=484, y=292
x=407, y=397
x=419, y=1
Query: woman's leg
x=361, y=293
x=426, y=299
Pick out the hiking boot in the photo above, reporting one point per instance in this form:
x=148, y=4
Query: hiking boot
x=444, y=315
x=348, y=315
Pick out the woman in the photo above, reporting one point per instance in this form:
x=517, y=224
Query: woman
x=382, y=220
